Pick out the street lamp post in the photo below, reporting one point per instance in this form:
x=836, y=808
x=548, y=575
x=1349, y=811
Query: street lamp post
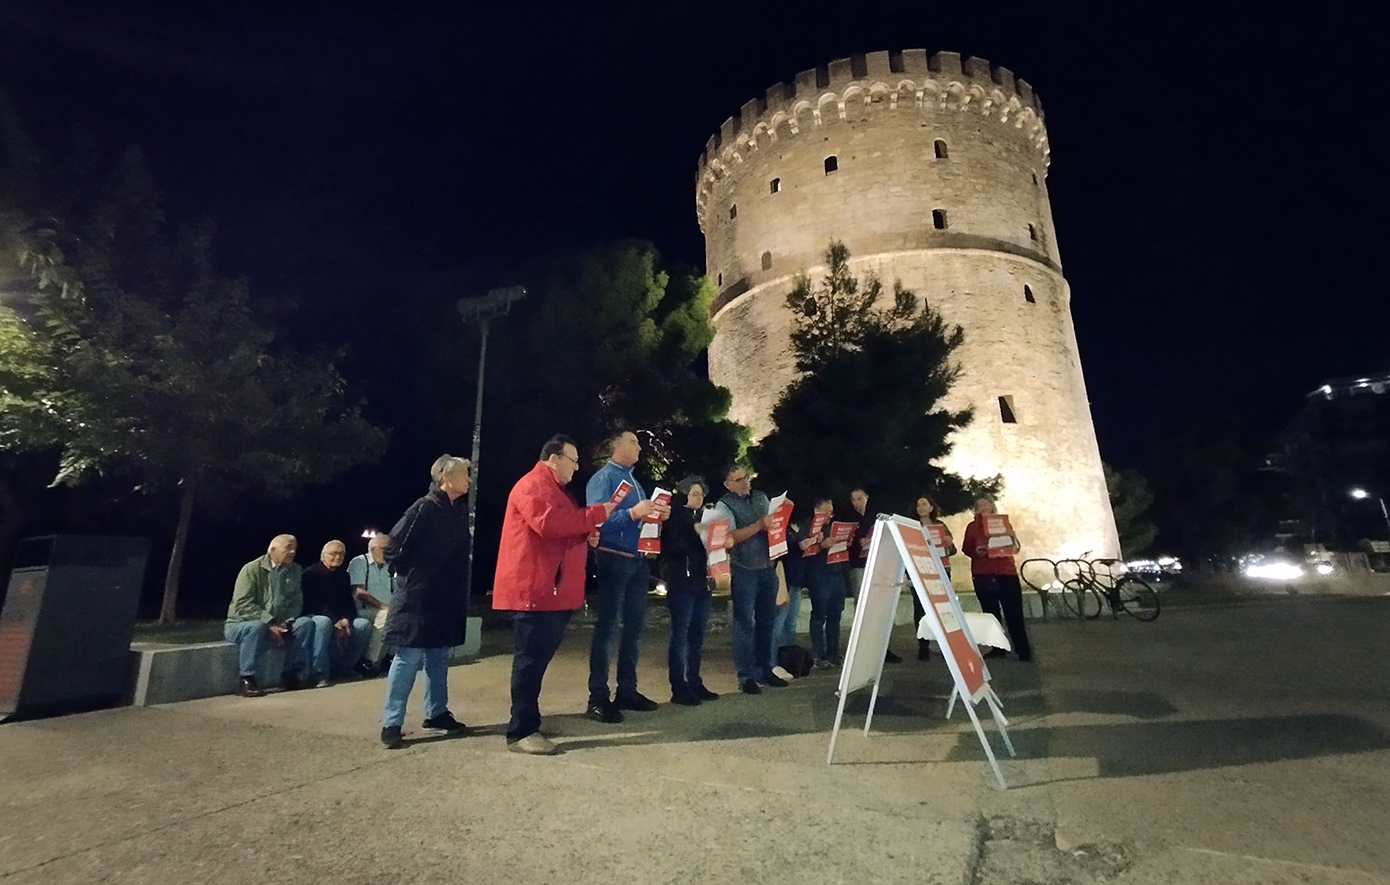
x=1362, y=494
x=495, y=303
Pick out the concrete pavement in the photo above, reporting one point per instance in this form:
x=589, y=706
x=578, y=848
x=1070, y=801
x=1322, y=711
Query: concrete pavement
x=1233, y=744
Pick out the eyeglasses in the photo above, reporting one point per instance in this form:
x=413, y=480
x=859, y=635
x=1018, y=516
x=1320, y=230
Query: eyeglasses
x=568, y=458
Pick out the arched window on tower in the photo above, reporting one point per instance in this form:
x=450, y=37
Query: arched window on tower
x=1028, y=295
x=938, y=219
x=721, y=280
x=733, y=213
x=767, y=261
x=941, y=152
x=1006, y=410
x=774, y=186
x=1035, y=179
x=832, y=163
x=1033, y=233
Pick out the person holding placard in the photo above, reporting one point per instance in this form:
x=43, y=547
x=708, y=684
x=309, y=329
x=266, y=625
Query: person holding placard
x=991, y=544
x=623, y=581
x=859, y=552
x=929, y=514
x=683, y=565
x=825, y=579
x=753, y=581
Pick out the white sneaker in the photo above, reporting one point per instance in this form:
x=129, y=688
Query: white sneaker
x=534, y=745
x=781, y=673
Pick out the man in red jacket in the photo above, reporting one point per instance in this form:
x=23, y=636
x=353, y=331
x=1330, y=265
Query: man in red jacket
x=540, y=579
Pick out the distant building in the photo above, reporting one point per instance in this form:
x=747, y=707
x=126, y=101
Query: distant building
x=1340, y=441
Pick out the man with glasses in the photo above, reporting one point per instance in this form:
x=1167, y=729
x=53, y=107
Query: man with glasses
x=623, y=581
x=753, y=580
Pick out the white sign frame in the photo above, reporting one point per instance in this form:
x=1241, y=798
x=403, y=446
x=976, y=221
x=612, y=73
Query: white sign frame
x=888, y=542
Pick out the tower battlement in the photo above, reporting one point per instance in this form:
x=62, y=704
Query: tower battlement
x=911, y=78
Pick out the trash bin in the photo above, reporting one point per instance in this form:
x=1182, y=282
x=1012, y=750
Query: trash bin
x=67, y=622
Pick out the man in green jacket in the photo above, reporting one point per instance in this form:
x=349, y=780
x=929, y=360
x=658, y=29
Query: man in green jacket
x=265, y=610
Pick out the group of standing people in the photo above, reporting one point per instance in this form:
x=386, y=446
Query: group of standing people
x=422, y=570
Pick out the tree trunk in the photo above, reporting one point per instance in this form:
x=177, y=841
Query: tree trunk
x=171, y=578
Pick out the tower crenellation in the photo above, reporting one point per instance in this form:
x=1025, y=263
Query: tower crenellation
x=931, y=168
x=911, y=78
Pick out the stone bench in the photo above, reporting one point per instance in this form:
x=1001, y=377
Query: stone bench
x=166, y=674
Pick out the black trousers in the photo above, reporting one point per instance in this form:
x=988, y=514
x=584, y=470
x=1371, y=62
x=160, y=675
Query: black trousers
x=535, y=638
x=1001, y=596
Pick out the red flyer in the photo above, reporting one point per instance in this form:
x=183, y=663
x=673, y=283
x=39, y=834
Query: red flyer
x=939, y=536
x=780, y=509
x=817, y=526
x=616, y=498
x=649, y=541
x=841, y=533
x=717, y=558
x=1000, y=534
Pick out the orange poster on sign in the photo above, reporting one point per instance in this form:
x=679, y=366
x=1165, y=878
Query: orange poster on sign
x=1000, y=543
x=972, y=666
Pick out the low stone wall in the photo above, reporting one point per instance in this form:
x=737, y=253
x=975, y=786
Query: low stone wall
x=167, y=674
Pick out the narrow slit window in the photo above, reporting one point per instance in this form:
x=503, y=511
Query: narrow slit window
x=774, y=186
x=832, y=163
x=941, y=152
x=938, y=219
x=1028, y=295
x=1006, y=410
x=1035, y=179
x=733, y=213
x=721, y=280
x=767, y=261
x=1033, y=233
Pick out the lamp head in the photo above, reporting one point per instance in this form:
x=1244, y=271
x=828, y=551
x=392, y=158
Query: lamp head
x=1358, y=494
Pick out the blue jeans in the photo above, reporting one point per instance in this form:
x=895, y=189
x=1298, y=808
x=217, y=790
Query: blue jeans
x=401, y=679
x=535, y=638
x=252, y=639
x=784, y=626
x=754, y=598
x=827, y=591
x=689, y=604
x=335, y=656
x=622, y=595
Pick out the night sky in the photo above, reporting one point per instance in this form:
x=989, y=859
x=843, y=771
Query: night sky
x=1217, y=182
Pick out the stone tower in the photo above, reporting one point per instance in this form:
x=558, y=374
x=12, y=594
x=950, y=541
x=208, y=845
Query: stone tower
x=932, y=171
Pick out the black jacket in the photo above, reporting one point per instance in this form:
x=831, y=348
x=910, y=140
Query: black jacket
x=328, y=593
x=682, y=548
x=429, y=554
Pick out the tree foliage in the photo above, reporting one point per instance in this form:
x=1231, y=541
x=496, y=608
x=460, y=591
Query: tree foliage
x=866, y=408
x=1130, y=500
x=125, y=349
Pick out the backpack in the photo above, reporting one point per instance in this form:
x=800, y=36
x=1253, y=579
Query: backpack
x=795, y=660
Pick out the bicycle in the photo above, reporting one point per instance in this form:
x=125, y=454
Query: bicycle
x=1124, y=592
x=1045, y=577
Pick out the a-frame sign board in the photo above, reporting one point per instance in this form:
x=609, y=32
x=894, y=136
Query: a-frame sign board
x=902, y=554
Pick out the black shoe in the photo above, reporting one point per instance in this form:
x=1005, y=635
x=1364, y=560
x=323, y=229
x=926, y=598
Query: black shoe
x=923, y=650
x=890, y=658
x=247, y=688
x=775, y=681
x=996, y=653
x=685, y=698
x=603, y=711
x=705, y=694
x=444, y=722
x=391, y=737
x=750, y=687
x=366, y=669
x=289, y=682
x=636, y=701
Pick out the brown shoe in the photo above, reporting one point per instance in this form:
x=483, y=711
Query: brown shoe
x=247, y=688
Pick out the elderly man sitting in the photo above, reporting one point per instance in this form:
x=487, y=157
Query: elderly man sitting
x=340, y=636
x=266, y=610
x=374, y=584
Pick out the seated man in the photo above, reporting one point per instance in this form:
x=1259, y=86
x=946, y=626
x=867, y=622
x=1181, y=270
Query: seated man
x=373, y=584
x=340, y=636
x=265, y=611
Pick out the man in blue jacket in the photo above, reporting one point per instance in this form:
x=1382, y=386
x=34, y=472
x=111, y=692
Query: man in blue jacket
x=623, y=579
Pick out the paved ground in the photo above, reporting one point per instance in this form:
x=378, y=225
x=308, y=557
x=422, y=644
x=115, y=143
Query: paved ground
x=1226, y=744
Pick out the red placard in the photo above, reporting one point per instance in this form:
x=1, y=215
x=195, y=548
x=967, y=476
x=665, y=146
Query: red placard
x=616, y=498
x=777, y=532
x=649, y=541
x=841, y=533
x=817, y=526
x=999, y=534
x=716, y=556
x=972, y=666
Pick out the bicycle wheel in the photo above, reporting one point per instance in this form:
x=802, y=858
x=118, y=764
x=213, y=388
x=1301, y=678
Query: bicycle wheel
x=1137, y=598
x=1080, y=599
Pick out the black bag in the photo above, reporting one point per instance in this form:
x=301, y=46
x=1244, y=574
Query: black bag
x=795, y=660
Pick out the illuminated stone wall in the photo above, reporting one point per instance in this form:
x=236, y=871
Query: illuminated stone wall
x=769, y=207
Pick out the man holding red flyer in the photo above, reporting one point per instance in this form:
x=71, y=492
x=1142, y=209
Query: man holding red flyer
x=991, y=544
x=623, y=580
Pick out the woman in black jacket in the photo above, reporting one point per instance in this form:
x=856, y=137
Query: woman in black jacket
x=687, y=592
x=428, y=552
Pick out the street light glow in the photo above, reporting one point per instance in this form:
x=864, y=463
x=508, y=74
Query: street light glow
x=1359, y=494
